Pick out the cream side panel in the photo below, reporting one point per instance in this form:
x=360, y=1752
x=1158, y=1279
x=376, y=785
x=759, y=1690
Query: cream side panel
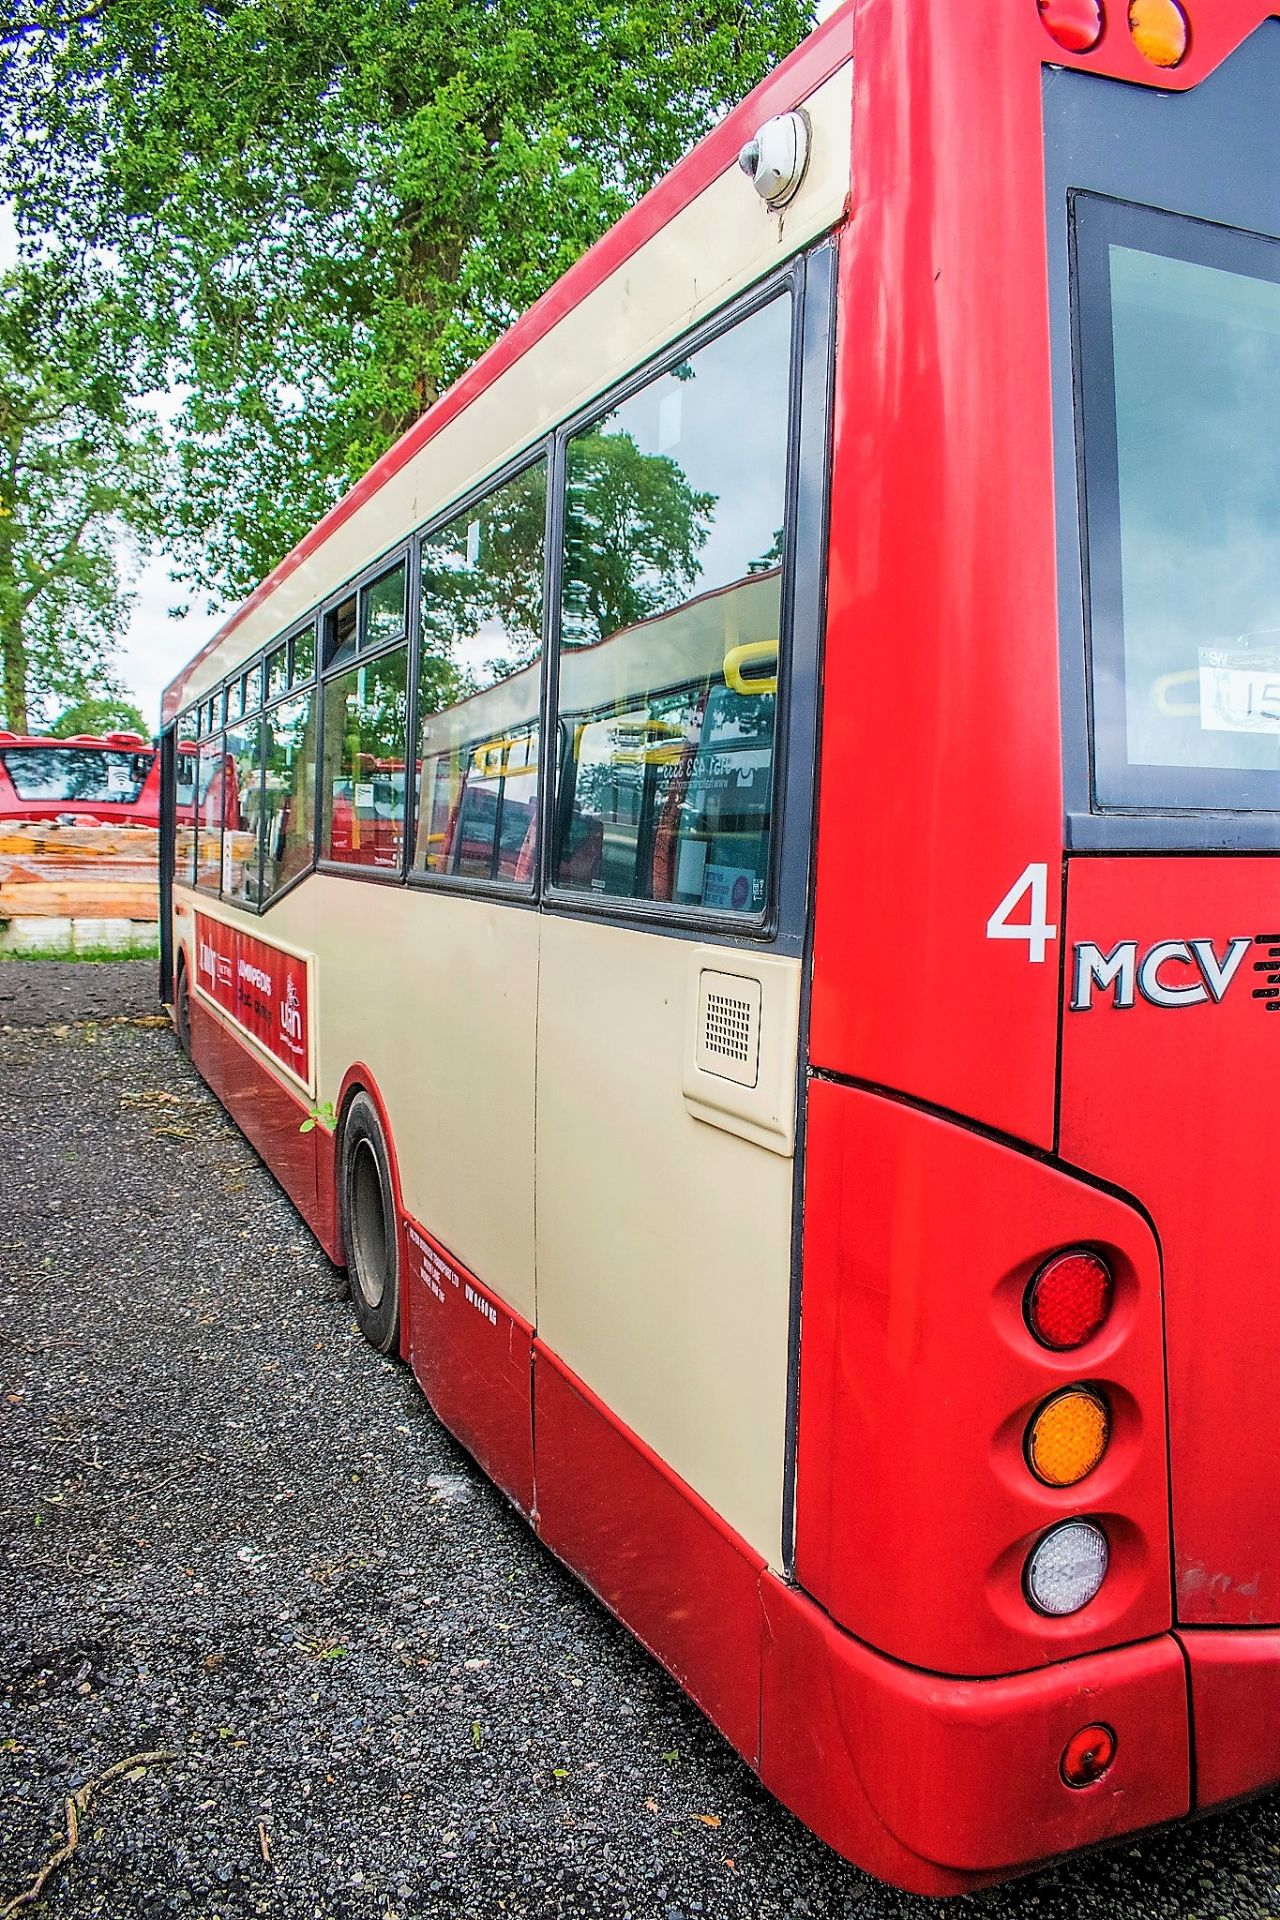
x=664, y=1244
x=437, y=997
x=723, y=241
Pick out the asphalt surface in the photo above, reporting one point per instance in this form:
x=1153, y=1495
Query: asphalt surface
x=230, y=1534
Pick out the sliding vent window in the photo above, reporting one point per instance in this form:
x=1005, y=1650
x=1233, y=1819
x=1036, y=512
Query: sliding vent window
x=365, y=733
x=289, y=794
x=242, y=813
x=1179, y=328
x=670, y=630
x=481, y=627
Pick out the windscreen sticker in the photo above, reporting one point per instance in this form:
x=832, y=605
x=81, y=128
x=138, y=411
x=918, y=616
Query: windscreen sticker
x=264, y=991
x=1240, y=689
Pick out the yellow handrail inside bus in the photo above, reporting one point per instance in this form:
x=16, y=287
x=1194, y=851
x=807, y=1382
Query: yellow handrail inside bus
x=745, y=656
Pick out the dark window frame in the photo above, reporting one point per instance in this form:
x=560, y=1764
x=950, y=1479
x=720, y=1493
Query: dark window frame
x=693, y=921
x=516, y=893
x=348, y=664
x=1166, y=151
x=311, y=688
x=1098, y=222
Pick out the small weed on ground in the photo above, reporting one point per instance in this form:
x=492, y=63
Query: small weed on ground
x=140, y=950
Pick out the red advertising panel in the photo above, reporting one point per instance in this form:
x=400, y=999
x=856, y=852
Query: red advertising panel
x=262, y=989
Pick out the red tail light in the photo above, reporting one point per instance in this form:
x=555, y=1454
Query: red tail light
x=1068, y=1299
x=1074, y=24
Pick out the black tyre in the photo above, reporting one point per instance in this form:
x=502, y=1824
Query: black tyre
x=182, y=1011
x=369, y=1229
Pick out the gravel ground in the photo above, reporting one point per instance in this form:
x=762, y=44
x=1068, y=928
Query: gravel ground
x=231, y=1534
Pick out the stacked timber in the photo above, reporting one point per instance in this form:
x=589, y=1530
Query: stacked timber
x=94, y=872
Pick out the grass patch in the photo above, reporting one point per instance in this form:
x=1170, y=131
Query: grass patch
x=92, y=955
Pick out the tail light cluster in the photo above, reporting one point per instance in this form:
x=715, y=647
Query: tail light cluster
x=1159, y=28
x=1066, y=1305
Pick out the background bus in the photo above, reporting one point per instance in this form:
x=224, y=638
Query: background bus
x=831, y=905
x=112, y=778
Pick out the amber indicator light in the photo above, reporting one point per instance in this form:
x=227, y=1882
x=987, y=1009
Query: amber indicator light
x=1087, y=1755
x=1160, y=31
x=1074, y=24
x=1067, y=1437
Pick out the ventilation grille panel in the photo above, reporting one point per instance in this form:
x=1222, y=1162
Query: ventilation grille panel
x=728, y=1039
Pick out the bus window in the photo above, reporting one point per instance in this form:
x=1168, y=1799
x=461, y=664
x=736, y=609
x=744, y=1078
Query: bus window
x=302, y=656
x=365, y=737
x=670, y=616
x=211, y=787
x=478, y=686
x=277, y=672
x=184, y=799
x=243, y=776
x=289, y=793
x=1180, y=341
x=382, y=609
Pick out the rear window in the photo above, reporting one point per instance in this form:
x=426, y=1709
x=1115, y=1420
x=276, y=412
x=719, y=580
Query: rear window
x=84, y=774
x=1179, y=349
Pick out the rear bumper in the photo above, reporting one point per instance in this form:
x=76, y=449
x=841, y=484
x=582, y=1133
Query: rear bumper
x=1235, y=1709
x=942, y=1785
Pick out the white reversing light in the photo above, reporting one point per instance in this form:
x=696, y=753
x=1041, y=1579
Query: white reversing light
x=1066, y=1567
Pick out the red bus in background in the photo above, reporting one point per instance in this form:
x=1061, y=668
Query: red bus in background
x=838, y=909
x=110, y=778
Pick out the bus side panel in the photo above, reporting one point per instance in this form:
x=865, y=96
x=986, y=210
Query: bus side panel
x=473, y=1358
x=941, y=757
x=919, y=1379
x=647, y=1546
x=265, y=1111
x=940, y=1786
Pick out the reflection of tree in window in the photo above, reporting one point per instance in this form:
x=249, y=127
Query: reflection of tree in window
x=635, y=529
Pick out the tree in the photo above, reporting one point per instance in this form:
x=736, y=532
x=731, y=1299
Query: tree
x=79, y=462
x=323, y=210
x=99, y=714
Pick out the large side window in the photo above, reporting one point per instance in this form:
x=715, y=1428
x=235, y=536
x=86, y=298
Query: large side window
x=289, y=793
x=366, y=721
x=670, y=630
x=211, y=785
x=1178, y=323
x=242, y=813
x=478, y=686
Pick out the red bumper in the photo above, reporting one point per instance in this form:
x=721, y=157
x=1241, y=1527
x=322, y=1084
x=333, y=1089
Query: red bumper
x=943, y=1785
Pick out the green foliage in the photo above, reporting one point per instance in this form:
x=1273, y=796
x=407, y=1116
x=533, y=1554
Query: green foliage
x=635, y=529
x=80, y=462
x=99, y=714
x=323, y=210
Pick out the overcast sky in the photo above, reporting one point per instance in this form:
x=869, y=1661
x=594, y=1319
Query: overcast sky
x=153, y=646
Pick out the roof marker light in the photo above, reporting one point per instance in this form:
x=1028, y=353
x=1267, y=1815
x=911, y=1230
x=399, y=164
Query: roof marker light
x=1160, y=31
x=1074, y=24
x=1066, y=1567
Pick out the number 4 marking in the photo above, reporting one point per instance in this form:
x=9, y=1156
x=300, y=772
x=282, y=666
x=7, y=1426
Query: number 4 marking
x=1035, y=930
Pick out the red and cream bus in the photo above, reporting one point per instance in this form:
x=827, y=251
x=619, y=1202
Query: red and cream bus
x=781, y=768
x=111, y=778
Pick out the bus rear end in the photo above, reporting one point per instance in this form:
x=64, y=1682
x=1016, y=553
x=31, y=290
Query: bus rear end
x=1037, y=1493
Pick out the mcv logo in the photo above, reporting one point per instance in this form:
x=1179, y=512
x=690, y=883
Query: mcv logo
x=1121, y=972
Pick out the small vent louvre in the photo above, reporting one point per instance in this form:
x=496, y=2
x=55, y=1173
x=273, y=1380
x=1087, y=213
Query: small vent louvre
x=728, y=1030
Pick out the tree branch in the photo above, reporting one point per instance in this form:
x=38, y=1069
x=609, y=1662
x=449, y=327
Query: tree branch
x=26, y=28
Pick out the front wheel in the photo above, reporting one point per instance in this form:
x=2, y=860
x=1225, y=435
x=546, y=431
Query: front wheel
x=369, y=1228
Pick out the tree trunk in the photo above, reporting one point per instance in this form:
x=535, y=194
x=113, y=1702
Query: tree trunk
x=13, y=645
